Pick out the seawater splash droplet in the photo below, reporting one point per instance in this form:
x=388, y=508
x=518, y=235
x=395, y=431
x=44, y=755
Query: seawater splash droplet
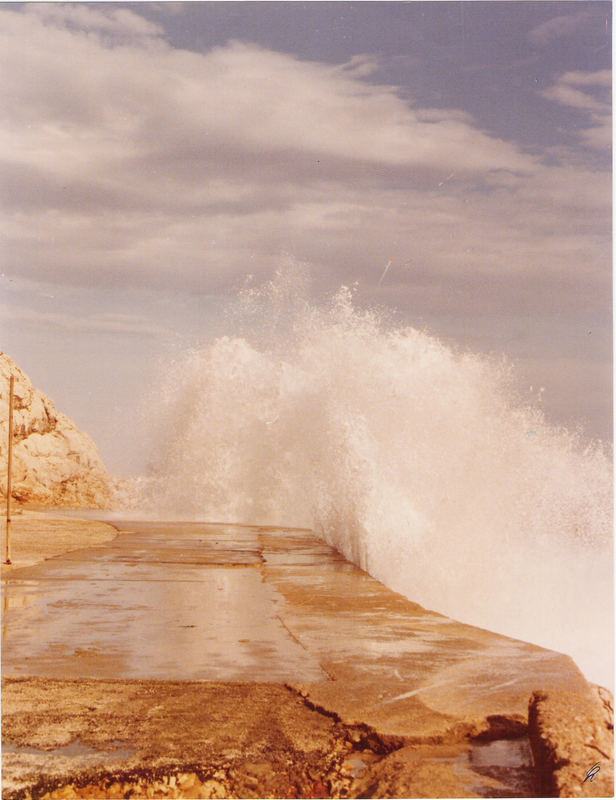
x=414, y=460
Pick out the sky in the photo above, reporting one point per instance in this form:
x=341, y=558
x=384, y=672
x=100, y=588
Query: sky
x=156, y=154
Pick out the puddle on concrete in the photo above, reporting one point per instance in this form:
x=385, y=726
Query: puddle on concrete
x=502, y=753
x=500, y=768
x=357, y=765
x=508, y=762
x=76, y=749
x=16, y=601
x=10, y=747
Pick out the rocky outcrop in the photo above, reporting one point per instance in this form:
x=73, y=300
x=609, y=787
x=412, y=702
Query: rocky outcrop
x=572, y=738
x=54, y=463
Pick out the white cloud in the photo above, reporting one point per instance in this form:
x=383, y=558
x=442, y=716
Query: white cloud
x=569, y=96
x=590, y=92
x=130, y=162
x=105, y=19
x=600, y=135
x=130, y=100
x=602, y=77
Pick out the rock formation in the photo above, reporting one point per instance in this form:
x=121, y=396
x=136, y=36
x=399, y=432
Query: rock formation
x=54, y=463
x=572, y=738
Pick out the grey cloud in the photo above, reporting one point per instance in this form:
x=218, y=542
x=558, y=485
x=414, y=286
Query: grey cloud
x=25, y=187
x=558, y=222
x=462, y=296
x=110, y=323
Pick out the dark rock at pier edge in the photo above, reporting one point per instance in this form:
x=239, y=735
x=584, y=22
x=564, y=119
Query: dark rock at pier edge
x=572, y=738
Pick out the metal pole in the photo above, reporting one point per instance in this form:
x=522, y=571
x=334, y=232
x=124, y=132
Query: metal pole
x=8, y=474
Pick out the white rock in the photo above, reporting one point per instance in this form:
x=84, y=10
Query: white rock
x=54, y=463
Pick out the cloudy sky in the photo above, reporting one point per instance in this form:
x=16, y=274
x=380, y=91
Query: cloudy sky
x=154, y=154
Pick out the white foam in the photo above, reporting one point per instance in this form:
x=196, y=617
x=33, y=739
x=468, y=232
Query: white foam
x=415, y=461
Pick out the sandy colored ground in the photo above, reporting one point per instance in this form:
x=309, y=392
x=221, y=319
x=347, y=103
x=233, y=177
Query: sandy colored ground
x=167, y=738
x=35, y=536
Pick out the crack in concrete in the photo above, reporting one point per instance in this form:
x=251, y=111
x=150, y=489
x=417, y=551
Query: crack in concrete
x=298, y=641
x=359, y=733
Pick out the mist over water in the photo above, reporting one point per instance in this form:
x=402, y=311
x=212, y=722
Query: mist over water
x=415, y=461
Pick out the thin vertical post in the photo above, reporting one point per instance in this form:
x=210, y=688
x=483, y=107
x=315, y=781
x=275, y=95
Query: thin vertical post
x=8, y=474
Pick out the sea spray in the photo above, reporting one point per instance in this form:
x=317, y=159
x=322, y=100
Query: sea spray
x=416, y=461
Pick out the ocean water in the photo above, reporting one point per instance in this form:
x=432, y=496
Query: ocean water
x=416, y=461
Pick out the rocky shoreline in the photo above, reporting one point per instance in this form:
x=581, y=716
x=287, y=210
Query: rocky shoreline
x=54, y=463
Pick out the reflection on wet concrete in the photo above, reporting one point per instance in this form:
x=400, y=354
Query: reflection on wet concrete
x=499, y=768
x=201, y=601
x=502, y=752
x=506, y=768
x=204, y=602
x=188, y=603
x=76, y=750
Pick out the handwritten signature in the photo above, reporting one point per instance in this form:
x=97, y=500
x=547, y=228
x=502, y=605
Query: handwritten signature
x=592, y=772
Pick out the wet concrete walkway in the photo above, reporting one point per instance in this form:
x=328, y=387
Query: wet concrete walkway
x=196, y=602
x=176, y=602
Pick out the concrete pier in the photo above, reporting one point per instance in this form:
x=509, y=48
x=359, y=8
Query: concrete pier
x=192, y=649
